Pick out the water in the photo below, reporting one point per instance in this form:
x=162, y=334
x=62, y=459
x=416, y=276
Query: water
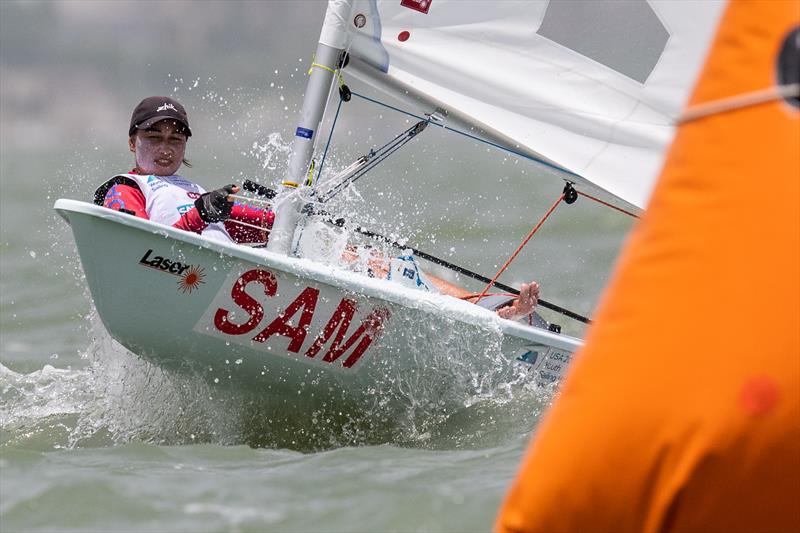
x=141, y=486
x=94, y=439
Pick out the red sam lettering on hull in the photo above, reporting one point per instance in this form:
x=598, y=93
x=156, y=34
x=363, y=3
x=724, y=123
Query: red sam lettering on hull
x=370, y=328
x=305, y=304
x=280, y=326
x=246, y=302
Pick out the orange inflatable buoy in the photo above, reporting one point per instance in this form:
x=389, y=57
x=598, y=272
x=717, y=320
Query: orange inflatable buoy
x=682, y=413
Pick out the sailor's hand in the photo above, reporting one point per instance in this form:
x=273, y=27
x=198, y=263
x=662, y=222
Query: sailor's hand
x=216, y=206
x=524, y=304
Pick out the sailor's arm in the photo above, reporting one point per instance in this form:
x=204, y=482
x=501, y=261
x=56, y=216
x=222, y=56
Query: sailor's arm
x=521, y=306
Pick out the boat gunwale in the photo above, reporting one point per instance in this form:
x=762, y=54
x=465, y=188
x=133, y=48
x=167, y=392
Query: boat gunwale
x=331, y=275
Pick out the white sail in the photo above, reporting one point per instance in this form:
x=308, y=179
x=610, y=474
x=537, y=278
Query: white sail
x=592, y=87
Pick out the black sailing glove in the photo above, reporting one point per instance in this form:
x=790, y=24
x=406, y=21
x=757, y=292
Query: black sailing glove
x=214, y=206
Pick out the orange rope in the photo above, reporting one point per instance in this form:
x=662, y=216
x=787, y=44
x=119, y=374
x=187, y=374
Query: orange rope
x=599, y=201
x=519, y=248
x=479, y=295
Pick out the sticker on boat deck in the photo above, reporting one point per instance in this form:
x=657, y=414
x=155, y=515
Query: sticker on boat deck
x=304, y=132
x=417, y=5
x=191, y=276
x=547, y=362
x=271, y=312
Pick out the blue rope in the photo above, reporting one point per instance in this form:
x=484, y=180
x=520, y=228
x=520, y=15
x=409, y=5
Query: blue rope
x=330, y=136
x=470, y=136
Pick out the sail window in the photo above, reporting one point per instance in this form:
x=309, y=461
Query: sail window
x=626, y=36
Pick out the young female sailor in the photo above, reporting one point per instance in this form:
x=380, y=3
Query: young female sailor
x=157, y=136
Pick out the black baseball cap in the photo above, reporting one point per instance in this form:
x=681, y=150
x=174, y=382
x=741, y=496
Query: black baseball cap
x=155, y=109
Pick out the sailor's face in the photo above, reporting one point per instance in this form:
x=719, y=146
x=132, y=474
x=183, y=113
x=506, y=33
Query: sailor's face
x=159, y=149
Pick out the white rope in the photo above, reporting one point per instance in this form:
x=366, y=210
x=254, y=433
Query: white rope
x=247, y=199
x=245, y=224
x=739, y=101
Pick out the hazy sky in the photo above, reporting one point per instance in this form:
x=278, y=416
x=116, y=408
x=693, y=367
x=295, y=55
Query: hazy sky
x=75, y=69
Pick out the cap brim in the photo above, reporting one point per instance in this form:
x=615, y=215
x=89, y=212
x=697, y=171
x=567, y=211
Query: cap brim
x=150, y=121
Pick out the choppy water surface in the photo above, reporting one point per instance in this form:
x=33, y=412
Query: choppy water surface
x=95, y=439
x=118, y=444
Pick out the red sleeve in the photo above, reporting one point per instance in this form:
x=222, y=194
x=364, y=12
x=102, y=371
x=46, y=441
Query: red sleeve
x=191, y=221
x=262, y=218
x=126, y=197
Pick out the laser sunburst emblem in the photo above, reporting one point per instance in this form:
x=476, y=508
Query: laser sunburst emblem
x=191, y=280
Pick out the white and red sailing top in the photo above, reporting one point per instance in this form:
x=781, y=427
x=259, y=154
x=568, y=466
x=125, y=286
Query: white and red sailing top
x=170, y=200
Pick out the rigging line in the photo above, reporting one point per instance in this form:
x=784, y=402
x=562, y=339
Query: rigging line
x=330, y=136
x=399, y=135
x=373, y=163
x=337, y=74
x=402, y=138
x=320, y=65
x=474, y=137
x=739, y=101
x=343, y=175
x=500, y=147
x=358, y=174
x=249, y=200
x=599, y=201
x=352, y=168
x=519, y=248
x=470, y=274
x=263, y=191
x=251, y=226
x=370, y=164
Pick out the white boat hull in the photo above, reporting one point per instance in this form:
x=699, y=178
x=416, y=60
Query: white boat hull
x=253, y=319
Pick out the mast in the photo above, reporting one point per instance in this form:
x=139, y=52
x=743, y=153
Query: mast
x=332, y=41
